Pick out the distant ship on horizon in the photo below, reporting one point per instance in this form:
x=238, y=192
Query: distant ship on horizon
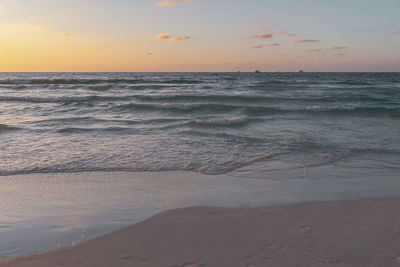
x=301, y=70
x=257, y=71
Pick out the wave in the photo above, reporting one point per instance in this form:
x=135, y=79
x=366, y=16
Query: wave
x=230, y=122
x=100, y=88
x=63, y=99
x=225, y=98
x=82, y=130
x=160, y=122
x=7, y=128
x=360, y=111
x=191, y=99
x=228, y=165
x=260, y=98
x=188, y=107
x=96, y=81
x=258, y=110
x=145, y=126
x=239, y=139
x=353, y=83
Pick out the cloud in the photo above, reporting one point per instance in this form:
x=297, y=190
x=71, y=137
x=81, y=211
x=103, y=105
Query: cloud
x=180, y=38
x=288, y=9
x=42, y=27
x=339, y=47
x=292, y=35
x=163, y=36
x=149, y=54
x=396, y=33
x=305, y=41
x=203, y=24
x=314, y=51
x=65, y=35
x=168, y=36
x=280, y=32
x=170, y=3
x=265, y=29
x=265, y=45
x=261, y=36
x=341, y=54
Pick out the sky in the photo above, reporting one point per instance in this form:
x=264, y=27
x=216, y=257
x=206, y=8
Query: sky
x=199, y=35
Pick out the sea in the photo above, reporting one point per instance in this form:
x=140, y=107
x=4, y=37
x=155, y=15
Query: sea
x=98, y=149
x=211, y=123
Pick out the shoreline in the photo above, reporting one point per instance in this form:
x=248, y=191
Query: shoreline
x=363, y=232
x=42, y=212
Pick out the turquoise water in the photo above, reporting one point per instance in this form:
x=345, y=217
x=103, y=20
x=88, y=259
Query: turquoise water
x=211, y=123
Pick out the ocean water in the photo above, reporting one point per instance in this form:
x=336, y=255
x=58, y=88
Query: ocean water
x=83, y=154
x=212, y=123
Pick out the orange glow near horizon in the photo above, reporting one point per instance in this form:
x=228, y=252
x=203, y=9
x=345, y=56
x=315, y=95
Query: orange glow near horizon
x=43, y=37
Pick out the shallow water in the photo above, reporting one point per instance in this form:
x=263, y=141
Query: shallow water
x=211, y=123
x=40, y=212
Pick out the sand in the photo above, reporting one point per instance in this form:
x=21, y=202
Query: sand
x=347, y=233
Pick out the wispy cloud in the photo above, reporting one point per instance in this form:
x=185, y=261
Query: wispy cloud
x=65, y=35
x=292, y=35
x=396, y=33
x=163, y=36
x=339, y=47
x=180, y=38
x=265, y=29
x=305, y=41
x=341, y=54
x=265, y=45
x=261, y=36
x=203, y=24
x=168, y=36
x=288, y=9
x=170, y=3
x=280, y=32
x=314, y=51
x=149, y=54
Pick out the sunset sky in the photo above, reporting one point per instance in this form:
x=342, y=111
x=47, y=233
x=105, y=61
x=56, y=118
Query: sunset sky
x=199, y=35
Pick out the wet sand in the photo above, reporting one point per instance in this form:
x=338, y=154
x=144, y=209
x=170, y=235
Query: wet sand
x=345, y=233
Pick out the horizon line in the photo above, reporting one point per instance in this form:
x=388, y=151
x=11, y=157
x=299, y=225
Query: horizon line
x=199, y=72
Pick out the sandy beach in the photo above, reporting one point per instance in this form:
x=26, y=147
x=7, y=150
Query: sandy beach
x=345, y=233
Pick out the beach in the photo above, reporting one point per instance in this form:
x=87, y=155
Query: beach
x=346, y=233
x=186, y=133
x=43, y=212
